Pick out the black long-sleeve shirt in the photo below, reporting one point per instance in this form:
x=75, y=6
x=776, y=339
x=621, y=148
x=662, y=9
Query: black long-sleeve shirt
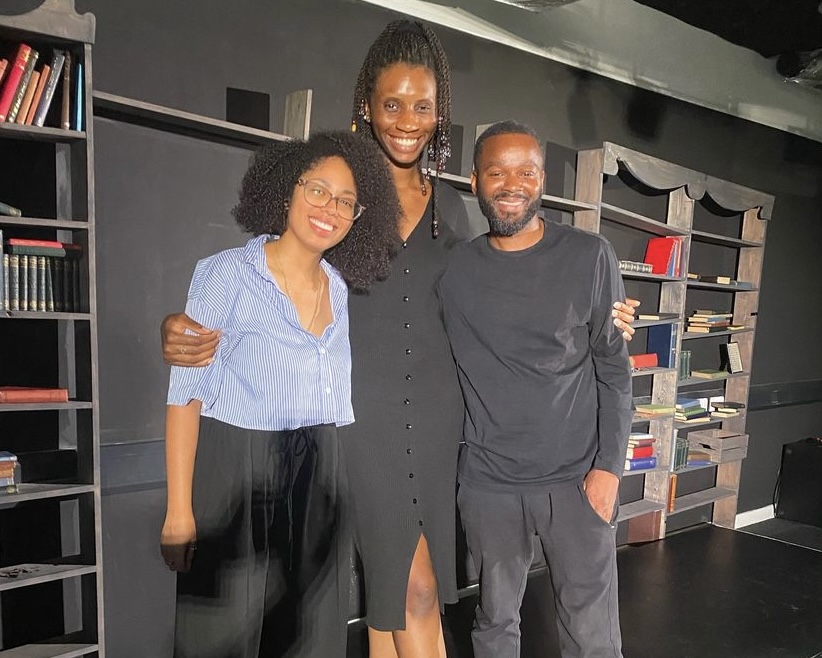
x=543, y=369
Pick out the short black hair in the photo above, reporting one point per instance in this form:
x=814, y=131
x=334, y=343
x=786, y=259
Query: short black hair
x=364, y=255
x=507, y=127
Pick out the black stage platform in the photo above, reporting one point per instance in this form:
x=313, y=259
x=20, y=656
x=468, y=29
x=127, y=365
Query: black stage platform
x=704, y=592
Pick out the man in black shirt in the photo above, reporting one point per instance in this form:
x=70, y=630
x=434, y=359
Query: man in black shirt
x=547, y=388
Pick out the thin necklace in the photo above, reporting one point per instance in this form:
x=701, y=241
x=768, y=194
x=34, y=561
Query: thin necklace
x=320, y=289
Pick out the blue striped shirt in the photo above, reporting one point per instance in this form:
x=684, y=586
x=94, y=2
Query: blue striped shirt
x=268, y=372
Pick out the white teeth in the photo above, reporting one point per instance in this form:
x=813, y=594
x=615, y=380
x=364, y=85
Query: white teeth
x=405, y=142
x=324, y=226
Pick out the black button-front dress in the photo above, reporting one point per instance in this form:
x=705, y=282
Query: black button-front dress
x=401, y=451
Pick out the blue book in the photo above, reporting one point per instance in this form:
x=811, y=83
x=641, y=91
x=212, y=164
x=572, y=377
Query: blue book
x=78, y=98
x=662, y=341
x=639, y=463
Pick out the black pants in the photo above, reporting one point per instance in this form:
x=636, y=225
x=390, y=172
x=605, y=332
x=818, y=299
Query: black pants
x=271, y=571
x=580, y=550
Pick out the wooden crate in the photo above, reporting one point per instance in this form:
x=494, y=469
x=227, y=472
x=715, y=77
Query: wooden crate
x=722, y=445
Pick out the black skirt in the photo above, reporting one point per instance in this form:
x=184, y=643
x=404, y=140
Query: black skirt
x=271, y=571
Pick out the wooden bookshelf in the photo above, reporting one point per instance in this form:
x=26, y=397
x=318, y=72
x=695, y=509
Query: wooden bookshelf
x=52, y=524
x=701, y=210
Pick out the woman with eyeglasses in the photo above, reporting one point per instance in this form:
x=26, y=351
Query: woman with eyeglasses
x=401, y=453
x=254, y=525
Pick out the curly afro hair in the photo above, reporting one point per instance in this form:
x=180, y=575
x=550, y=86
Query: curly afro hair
x=365, y=254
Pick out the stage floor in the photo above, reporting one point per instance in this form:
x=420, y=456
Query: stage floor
x=704, y=592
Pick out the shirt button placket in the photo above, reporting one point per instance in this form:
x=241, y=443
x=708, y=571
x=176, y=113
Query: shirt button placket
x=407, y=401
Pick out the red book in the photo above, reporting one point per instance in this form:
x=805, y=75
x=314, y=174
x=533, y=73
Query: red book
x=644, y=360
x=25, y=242
x=4, y=63
x=640, y=451
x=660, y=253
x=13, y=394
x=13, y=79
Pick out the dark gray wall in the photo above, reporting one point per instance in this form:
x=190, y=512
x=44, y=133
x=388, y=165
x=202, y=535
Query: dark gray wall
x=164, y=201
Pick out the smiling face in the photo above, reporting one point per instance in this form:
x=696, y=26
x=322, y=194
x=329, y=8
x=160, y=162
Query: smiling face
x=403, y=112
x=320, y=228
x=507, y=180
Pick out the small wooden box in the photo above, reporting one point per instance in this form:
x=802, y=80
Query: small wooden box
x=722, y=445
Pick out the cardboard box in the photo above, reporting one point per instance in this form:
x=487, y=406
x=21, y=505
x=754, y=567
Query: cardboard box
x=722, y=445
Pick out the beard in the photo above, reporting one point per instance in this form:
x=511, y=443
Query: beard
x=503, y=225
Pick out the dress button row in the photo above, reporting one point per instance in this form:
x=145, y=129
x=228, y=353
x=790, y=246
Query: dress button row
x=408, y=426
x=406, y=325
x=408, y=451
x=408, y=351
x=406, y=271
x=408, y=378
x=406, y=298
x=404, y=245
x=406, y=401
x=322, y=350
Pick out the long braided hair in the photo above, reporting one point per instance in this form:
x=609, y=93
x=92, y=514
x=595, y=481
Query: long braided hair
x=410, y=42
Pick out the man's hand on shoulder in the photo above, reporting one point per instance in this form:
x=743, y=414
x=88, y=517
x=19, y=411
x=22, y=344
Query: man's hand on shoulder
x=186, y=349
x=601, y=487
x=624, y=315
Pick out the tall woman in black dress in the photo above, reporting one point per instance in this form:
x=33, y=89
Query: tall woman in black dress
x=401, y=452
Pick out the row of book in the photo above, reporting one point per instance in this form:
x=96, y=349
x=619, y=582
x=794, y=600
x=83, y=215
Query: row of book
x=635, y=266
x=39, y=275
x=27, y=92
x=9, y=472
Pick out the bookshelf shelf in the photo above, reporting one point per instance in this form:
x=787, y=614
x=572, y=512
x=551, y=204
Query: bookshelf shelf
x=42, y=573
x=636, y=180
x=29, y=491
x=42, y=315
x=51, y=177
x=723, y=240
x=690, y=335
x=129, y=110
x=645, y=372
x=47, y=406
x=700, y=498
x=634, y=220
x=56, y=650
x=56, y=224
x=673, y=319
x=38, y=134
x=721, y=287
x=693, y=381
x=638, y=508
x=649, y=277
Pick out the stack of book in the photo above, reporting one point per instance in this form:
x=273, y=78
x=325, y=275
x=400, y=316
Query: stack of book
x=27, y=92
x=690, y=410
x=9, y=472
x=21, y=394
x=723, y=410
x=650, y=410
x=39, y=275
x=640, y=454
x=708, y=321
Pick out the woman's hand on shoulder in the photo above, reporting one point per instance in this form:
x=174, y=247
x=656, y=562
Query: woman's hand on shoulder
x=181, y=348
x=624, y=315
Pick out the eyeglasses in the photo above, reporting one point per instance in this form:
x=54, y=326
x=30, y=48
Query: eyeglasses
x=319, y=196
